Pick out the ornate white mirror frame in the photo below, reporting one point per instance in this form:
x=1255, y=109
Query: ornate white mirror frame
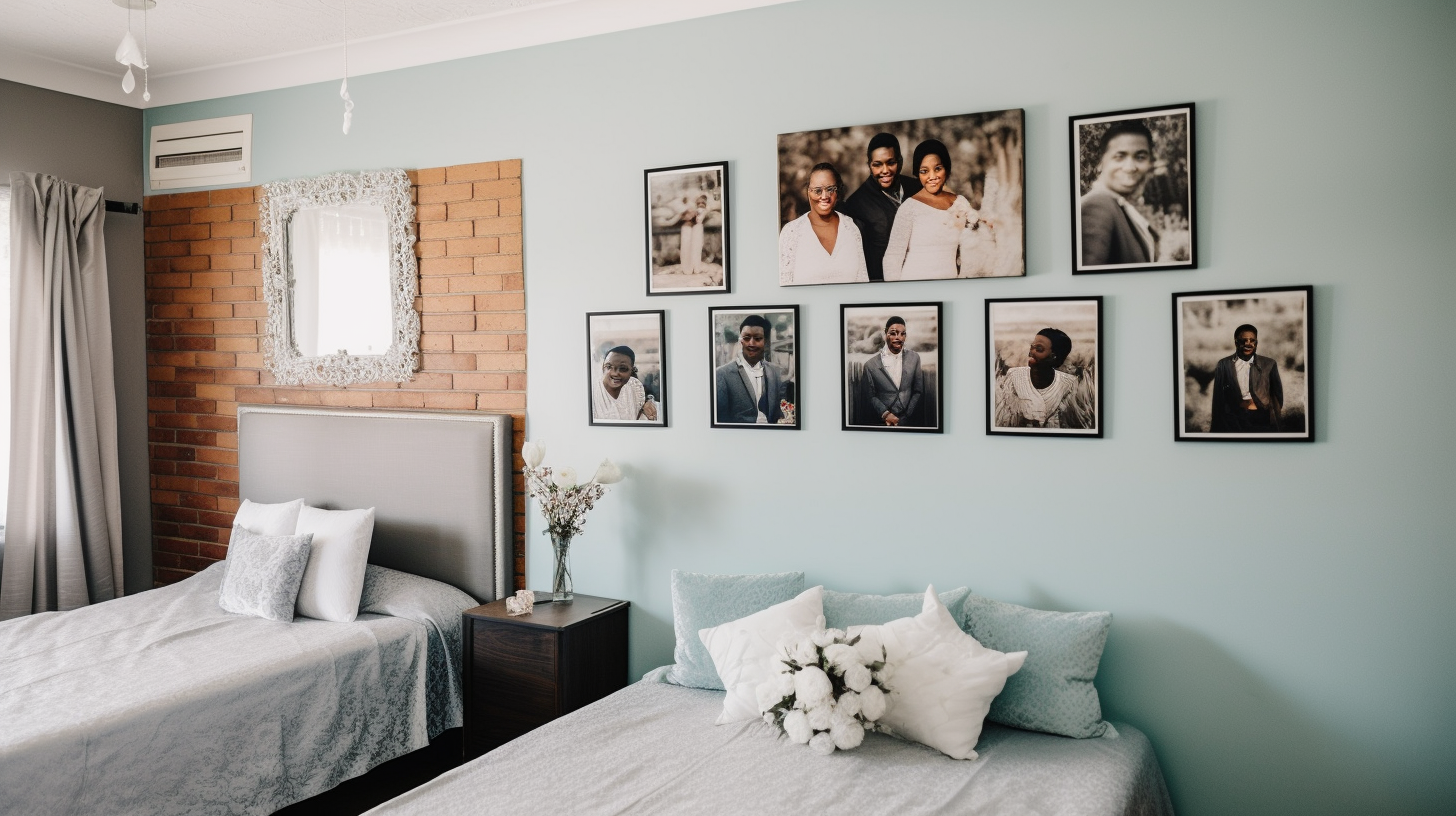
x=282, y=200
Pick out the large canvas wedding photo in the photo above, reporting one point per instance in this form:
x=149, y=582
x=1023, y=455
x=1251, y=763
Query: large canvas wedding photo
x=1132, y=191
x=1242, y=365
x=924, y=199
x=754, y=360
x=891, y=357
x=626, y=368
x=1043, y=377
x=687, y=229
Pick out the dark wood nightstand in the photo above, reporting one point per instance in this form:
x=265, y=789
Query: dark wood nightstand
x=525, y=671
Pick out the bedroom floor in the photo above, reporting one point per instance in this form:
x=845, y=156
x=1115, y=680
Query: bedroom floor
x=384, y=782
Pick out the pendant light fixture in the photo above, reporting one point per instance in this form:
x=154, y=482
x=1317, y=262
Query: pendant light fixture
x=344, y=88
x=129, y=53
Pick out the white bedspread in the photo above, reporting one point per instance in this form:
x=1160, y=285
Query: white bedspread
x=653, y=749
x=162, y=703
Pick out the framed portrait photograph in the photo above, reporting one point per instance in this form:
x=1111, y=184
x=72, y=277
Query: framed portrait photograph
x=1242, y=365
x=754, y=356
x=687, y=229
x=1132, y=191
x=923, y=199
x=626, y=368
x=1043, y=376
x=890, y=354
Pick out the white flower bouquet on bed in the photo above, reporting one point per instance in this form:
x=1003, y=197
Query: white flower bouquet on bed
x=825, y=692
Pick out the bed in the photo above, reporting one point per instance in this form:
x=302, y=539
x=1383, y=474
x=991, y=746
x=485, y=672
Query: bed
x=162, y=703
x=652, y=748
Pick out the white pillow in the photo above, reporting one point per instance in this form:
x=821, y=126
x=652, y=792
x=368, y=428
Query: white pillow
x=334, y=579
x=741, y=649
x=269, y=519
x=944, y=680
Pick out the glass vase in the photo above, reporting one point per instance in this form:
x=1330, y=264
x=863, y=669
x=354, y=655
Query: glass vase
x=561, y=569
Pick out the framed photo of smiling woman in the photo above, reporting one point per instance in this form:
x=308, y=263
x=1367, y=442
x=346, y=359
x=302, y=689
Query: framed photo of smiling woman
x=1044, y=366
x=626, y=368
x=1132, y=191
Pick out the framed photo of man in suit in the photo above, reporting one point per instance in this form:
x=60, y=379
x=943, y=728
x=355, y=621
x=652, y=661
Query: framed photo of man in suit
x=1242, y=365
x=754, y=356
x=1132, y=190
x=1044, y=372
x=891, y=355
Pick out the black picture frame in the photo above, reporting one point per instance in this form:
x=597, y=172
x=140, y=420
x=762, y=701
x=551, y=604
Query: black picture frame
x=645, y=334
x=1117, y=214
x=863, y=336
x=729, y=390
x=1205, y=376
x=1071, y=405
x=687, y=205
x=981, y=233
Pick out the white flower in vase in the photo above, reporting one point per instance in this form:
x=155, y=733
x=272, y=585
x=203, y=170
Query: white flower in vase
x=533, y=453
x=565, y=478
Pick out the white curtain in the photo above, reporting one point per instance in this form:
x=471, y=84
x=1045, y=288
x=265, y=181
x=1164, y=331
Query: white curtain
x=63, y=520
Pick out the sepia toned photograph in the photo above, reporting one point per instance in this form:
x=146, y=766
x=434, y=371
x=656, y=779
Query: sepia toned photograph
x=923, y=199
x=1242, y=365
x=687, y=229
x=891, y=356
x=1132, y=191
x=754, y=357
x=1043, y=374
x=626, y=368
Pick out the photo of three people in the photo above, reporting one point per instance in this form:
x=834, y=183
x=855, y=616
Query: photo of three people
x=855, y=207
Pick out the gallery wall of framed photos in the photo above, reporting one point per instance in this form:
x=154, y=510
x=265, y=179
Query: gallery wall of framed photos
x=859, y=205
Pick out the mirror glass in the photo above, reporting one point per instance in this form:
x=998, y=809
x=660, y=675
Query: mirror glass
x=340, y=264
x=340, y=279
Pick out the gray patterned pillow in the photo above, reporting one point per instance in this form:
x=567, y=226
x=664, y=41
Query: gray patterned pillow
x=701, y=601
x=263, y=574
x=1053, y=692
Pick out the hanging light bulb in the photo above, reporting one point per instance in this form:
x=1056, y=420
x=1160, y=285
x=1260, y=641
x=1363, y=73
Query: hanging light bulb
x=128, y=82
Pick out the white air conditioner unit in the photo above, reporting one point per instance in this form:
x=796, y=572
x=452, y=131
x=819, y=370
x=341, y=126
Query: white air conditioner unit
x=204, y=153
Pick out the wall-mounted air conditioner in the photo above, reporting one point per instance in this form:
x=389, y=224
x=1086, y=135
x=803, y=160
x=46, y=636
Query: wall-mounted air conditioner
x=204, y=153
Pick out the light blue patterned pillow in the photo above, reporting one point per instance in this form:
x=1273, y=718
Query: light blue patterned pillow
x=845, y=609
x=702, y=601
x=1053, y=692
x=263, y=574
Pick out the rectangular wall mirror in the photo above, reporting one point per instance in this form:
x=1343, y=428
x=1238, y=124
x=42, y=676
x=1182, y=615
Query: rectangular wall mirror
x=339, y=278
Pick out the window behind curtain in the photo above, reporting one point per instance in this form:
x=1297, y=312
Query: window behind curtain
x=4, y=356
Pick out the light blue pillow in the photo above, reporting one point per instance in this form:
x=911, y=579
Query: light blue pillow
x=1053, y=692
x=264, y=573
x=845, y=609
x=702, y=601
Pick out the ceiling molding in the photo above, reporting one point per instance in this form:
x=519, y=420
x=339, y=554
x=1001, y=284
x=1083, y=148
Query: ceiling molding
x=536, y=24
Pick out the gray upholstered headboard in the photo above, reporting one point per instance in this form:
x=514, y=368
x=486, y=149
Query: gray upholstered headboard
x=440, y=482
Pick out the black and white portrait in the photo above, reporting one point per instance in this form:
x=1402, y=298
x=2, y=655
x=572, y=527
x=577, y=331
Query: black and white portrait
x=891, y=367
x=925, y=199
x=1242, y=365
x=687, y=229
x=754, y=360
x=1043, y=372
x=626, y=368
x=1132, y=190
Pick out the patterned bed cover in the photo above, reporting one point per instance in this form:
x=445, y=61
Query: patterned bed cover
x=652, y=748
x=162, y=703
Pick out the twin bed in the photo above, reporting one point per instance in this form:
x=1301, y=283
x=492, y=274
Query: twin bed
x=161, y=703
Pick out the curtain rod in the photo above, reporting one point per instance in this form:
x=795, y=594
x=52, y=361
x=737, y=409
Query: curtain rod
x=128, y=207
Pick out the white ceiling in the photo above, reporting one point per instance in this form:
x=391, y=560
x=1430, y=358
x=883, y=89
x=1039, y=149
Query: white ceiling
x=203, y=49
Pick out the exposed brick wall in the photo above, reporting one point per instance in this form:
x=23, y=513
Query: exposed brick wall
x=206, y=315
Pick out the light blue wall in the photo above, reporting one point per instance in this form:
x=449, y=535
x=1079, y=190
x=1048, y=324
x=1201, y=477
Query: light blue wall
x=1285, y=624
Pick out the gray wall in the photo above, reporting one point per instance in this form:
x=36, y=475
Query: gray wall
x=97, y=144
